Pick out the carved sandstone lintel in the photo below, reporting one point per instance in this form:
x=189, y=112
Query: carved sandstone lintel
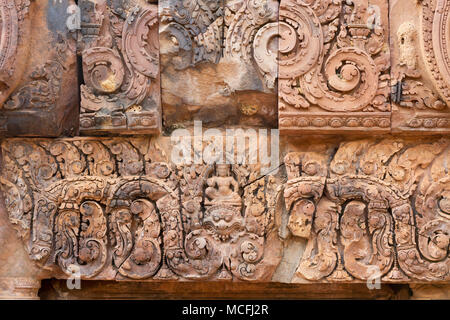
x=110, y=209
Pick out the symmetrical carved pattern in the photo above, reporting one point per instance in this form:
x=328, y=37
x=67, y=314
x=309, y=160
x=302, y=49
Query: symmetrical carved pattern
x=373, y=209
x=120, y=53
x=420, y=72
x=333, y=62
x=110, y=208
x=34, y=95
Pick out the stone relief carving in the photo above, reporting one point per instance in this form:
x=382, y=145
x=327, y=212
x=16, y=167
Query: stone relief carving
x=373, y=207
x=120, y=52
x=14, y=24
x=118, y=209
x=333, y=61
x=436, y=21
x=236, y=224
x=230, y=47
x=111, y=208
x=38, y=80
x=196, y=29
x=211, y=30
x=420, y=77
x=333, y=66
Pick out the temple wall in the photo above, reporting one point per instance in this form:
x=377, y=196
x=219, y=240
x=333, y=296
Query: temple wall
x=161, y=149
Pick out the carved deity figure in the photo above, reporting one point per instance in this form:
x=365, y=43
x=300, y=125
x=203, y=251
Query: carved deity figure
x=222, y=189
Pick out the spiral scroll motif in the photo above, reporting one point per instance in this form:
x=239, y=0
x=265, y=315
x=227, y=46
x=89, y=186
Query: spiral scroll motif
x=434, y=236
x=301, y=39
x=81, y=239
x=137, y=256
x=434, y=241
x=316, y=70
x=351, y=73
x=249, y=252
x=103, y=69
x=266, y=53
x=142, y=45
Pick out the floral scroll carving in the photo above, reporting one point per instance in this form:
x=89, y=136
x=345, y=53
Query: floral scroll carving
x=374, y=208
x=333, y=66
x=115, y=208
x=120, y=53
x=111, y=209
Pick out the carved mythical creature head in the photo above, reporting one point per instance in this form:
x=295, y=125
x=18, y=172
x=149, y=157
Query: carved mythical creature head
x=222, y=222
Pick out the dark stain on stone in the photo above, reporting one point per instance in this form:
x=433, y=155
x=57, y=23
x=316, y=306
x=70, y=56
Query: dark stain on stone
x=57, y=16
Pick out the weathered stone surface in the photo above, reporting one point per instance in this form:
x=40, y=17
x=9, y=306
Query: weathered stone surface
x=120, y=52
x=333, y=66
x=38, y=72
x=57, y=289
x=428, y=292
x=110, y=208
x=420, y=66
x=219, y=62
x=19, y=277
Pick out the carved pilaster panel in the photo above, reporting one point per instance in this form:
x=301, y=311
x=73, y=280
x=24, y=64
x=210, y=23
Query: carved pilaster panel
x=119, y=48
x=371, y=210
x=420, y=66
x=118, y=209
x=38, y=72
x=333, y=66
x=219, y=61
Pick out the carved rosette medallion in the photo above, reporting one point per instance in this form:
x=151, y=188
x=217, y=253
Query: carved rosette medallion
x=436, y=44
